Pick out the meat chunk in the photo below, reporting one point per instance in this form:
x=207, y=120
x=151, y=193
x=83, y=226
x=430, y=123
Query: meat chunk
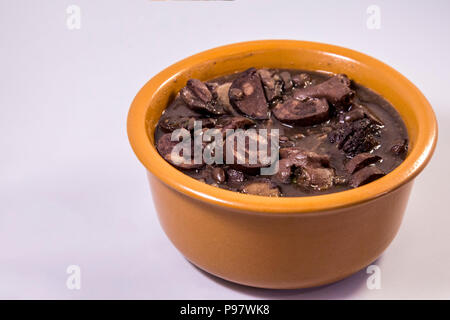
x=220, y=92
x=252, y=156
x=310, y=170
x=369, y=114
x=336, y=90
x=272, y=83
x=284, y=173
x=355, y=137
x=365, y=175
x=305, y=112
x=400, y=149
x=287, y=80
x=315, y=178
x=360, y=161
x=165, y=146
x=235, y=177
x=173, y=123
x=285, y=142
x=357, y=112
x=261, y=188
x=247, y=95
x=301, y=80
x=234, y=123
x=352, y=115
x=197, y=96
x=302, y=156
x=218, y=175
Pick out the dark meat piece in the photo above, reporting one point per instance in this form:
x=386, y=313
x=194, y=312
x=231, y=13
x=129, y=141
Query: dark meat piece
x=287, y=80
x=250, y=158
x=313, y=170
x=365, y=175
x=358, y=111
x=353, y=115
x=272, y=84
x=315, y=178
x=199, y=97
x=173, y=123
x=369, y=114
x=360, y=161
x=238, y=122
x=400, y=149
x=301, y=80
x=220, y=92
x=336, y=90
x=247, y=95
x=165, y=147
x=235, y=178
x=262, y=187
x=218, y=175
x=355, y=137
x=285, y=142
x=302, y=156
x=284, y=173
x=305, y=112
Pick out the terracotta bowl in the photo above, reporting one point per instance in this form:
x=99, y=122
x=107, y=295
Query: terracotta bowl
x=281, y=242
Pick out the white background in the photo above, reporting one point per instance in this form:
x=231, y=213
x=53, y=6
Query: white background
x=72, y=191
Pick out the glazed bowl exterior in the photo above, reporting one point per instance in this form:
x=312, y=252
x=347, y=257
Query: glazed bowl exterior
x=281, y=243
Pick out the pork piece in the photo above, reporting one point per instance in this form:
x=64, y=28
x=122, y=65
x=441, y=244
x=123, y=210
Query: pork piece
x=220, y=92
x=336, y=90
x=358, y=111
x=199, y=97
x=369, y=114
x=365, y=175
x=212, y=174
x=247, y=95
x=287, y=80
x=218, y=175
x=272, y=83
x=263, y=187
x=308, y=169
x=284, y=174
x=304, y=112
x=355, y=137
x=285, y=142
x=165, y=147
x=172, y=123
x=314, y=178
x=252, y=156
x=301, y=80
x=360, y=161
x=352, y=115
x=238, y=122
x=302, y=155
x=400, y=149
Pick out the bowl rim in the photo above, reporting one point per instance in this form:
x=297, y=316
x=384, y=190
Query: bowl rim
x=415, y=162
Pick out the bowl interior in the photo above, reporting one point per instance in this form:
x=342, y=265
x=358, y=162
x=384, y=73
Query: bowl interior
x=400, y=92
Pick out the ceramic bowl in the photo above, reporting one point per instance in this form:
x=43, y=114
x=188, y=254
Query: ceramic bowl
x=281, y=242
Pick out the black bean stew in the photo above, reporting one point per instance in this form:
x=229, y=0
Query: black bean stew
x=334, y=134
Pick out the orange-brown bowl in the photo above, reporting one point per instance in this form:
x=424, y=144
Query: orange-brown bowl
x=281, y=242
